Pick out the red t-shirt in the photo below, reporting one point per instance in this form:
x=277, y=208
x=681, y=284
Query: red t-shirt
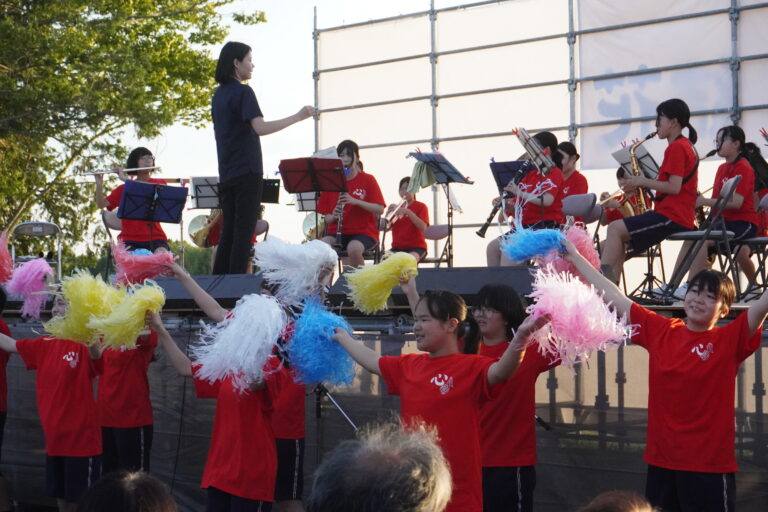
x=575, y=184
x=136, y=230
x=355, y=220
x=508, y=426
x=532, y=211
x=763, y=216
x=691, y=388
x=64, y=390
x=613, y=214
x=405, y=234
x=446, y=392
x=242, y=459
x=679, y=160
x=745, y=188
x=123, y=392
x=288, y=416
x=215, y=233
x=3, y=362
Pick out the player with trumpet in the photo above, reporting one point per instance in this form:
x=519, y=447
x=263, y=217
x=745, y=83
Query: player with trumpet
x=353, y=215
x=408, y=220
x=135, y=234
x=675, y=186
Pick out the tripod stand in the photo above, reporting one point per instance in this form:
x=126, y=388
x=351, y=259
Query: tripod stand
x=320, y=391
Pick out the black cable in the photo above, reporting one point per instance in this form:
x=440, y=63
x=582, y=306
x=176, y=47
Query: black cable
x=181, y=411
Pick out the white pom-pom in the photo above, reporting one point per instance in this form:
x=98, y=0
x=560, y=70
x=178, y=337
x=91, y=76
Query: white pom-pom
x=297, y=269
x=239, y=346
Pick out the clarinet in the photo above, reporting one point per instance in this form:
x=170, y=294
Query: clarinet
x=339, y=224
x=516, y=179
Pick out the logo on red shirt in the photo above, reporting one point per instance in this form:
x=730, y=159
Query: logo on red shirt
x=72, y=358
x=443, y=382
x=359, y=193
x=703, y=353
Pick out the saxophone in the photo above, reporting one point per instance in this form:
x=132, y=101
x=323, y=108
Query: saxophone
x=642, y=193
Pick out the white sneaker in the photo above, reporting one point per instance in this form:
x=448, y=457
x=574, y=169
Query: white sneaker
x=681, y=291
x=659, y=291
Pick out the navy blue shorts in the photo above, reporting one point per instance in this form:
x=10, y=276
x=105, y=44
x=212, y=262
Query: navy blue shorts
x=648, y=229
x=508, y=488
x=741, y=231
x=368, y=242
x=126, y=448
x=67, y=478
x=150, y=246
x=418, y=250
x=220, y=501
x=689, y=491
x=290, y=469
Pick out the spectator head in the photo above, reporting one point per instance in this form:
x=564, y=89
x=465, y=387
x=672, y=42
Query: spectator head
x=618, y=501
x=125, y=491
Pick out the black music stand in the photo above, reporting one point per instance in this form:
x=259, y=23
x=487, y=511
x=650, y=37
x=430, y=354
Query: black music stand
x=152, y=202
x=301, y=175
x=445, y=174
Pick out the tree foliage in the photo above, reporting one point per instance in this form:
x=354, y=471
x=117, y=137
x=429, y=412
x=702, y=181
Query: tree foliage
x=74, y=76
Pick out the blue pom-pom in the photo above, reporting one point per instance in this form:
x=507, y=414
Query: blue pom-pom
x=141, y=252
x=524, y=244
x=313, y=354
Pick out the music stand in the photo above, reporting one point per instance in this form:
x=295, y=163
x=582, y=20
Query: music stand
x=307, y=177
x=205, y=192
x=504, y=172
x=445, y=174
x=648, y=165
x=152, y=202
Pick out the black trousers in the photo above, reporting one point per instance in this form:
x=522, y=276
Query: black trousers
x=240, y=201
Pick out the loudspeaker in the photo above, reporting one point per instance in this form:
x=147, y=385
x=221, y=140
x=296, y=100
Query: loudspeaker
x=226, y=289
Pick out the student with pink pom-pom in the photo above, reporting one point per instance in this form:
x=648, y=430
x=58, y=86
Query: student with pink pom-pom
x=443, y=387
x=691, y=379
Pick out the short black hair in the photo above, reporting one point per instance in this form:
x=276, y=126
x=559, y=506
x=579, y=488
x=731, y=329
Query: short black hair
x=676, y=108
x=225, y=67
x=133, y=157
x=716, y=283
x=403, y=181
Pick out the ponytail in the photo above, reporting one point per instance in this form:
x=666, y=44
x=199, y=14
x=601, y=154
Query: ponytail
x=692, y=135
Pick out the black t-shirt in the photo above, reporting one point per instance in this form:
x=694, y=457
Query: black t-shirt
x=237, y=145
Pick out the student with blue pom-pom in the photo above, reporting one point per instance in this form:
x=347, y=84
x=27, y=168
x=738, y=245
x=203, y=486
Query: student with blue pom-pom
x=443, y=387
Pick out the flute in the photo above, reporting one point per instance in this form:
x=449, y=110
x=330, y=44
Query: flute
x=110, y=171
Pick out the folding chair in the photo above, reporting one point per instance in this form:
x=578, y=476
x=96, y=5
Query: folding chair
x=372, y=254
x=757, y=245
x=436, y=233
x=580, y=205
x=713, y=229
x=38, y=229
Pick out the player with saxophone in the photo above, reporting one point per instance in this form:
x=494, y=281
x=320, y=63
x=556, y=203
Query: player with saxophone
x=353, y=214
x=675, y=186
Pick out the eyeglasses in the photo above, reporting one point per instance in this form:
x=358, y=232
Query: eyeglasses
x=484, y=310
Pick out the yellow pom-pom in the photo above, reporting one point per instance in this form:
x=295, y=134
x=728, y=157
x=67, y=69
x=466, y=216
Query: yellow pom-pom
x=126, y=321
x=371, y=286
x=86, y=297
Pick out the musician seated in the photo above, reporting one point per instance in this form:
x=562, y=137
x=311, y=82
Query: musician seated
x=739, y=214
x=675, y=188
x=540, y=211
x=408, y=220
x=619, y=206
x=574, y=183
x=135, y=234
x=353, y=215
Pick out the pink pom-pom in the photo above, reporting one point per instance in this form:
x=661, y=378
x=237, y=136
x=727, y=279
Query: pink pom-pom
x=28, y=282
x=580, y=321
x=580, y=238
x=135, y=268
x=6, y=263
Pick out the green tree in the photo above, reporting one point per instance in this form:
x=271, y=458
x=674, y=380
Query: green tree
x=74, y=76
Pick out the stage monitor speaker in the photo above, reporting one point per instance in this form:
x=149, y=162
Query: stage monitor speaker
x=226, y=289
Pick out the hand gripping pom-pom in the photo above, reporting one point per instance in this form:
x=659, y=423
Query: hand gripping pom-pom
x=136, y=267
x=580, y=239
x=126, y=320
x=580, y=321
x=313, y=354
x=371, y=286
x=240, y=345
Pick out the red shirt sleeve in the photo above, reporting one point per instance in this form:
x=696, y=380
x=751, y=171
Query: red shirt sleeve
x=647, y=326
x=748, y=342
x=204, y=388
x=114, y=197
x=674, y=162
x=327, y=202
x=29, y=350
x=373, y=194
x=392, y=372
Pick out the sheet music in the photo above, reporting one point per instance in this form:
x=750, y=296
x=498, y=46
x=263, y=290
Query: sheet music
x=648, y=165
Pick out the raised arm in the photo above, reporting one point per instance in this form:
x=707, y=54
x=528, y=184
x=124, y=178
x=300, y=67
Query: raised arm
x=208, y=304
x=263, y=127
x=178, y=359
x=757, y=312
x=610, y=292
x=411, y=293
x=507, y=364
x=8, y=344
x=365, y=357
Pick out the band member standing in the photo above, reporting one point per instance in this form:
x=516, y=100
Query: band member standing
x=675, y=191
x=357, y=210
x=408, y=223
x=135, y=234
x=238, y=123
x=541, y=211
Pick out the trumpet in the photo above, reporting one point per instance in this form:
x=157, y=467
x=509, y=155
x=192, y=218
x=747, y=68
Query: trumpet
x=391, y=215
